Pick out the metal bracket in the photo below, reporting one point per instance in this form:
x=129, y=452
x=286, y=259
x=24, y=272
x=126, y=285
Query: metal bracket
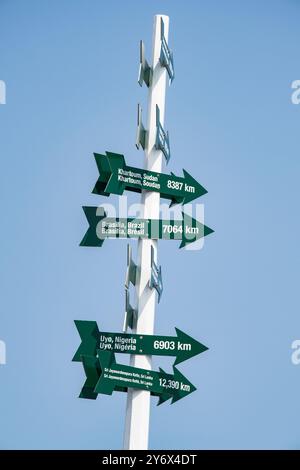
x=141, y=131
x=130, y=314
x=156, y=277
x=131, y=272
x=145, y=71
x=162, y=138
x=166, y=56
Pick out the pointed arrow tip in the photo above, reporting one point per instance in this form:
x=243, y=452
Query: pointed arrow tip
x=208, y=230
x=199, y=189
x=186, y=387
x=195, y=347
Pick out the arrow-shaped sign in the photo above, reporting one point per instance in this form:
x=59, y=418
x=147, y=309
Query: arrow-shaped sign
x=182, y=346
x=101, y=227
x=104, y=375
x=116, y=176
x=113, y=376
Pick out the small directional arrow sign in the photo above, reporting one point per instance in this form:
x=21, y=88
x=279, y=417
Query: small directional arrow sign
x=101, y=227
x=116, y=176
x=113, y=376
x=182, y=346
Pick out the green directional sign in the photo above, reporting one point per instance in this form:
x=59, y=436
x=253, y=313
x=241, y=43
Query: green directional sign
x=116, y=176
x=181, y=346
x=113, y=376
x=187, y=230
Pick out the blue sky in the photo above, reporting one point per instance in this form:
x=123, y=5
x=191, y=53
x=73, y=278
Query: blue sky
x=71, y=74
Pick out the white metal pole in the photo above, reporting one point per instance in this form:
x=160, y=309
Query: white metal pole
x=138, y=401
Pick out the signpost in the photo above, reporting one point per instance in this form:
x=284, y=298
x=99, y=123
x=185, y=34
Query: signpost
x=97, y=349
x=116, y=176
x=138, y=401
